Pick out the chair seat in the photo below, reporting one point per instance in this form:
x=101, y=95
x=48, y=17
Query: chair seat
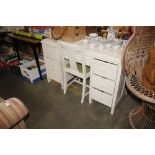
x=79, y=67
x=139, y=90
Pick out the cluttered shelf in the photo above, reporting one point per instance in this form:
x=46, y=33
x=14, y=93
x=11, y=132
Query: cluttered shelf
x=22, y=50
x=24, y=38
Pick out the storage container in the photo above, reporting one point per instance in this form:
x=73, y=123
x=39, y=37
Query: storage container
x=68, y=33
x=30, y=71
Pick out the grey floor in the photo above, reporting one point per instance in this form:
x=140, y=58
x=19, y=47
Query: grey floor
x=50, y=108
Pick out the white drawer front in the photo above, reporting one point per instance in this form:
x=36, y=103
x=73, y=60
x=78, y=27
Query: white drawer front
x=51, y=52
x=101, y=97
x=52, y=69
x=77, y=55
x=104, y=69
x=102, y=84
x=53, y=74
x=51, y=62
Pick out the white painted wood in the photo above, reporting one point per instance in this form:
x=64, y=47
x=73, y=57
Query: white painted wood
x=51, y=63
x=65, y=82
x=48, y=79
x=103, y=84
x=53, y=74
x=116, y=90
x=83, y=90
x=69, y=66
x=102, y=97
x=52, y=60
x=32, y=74
x=108, y=67
x=105, y=74
x=105, y=69
x=50, y=51
x=121, y=90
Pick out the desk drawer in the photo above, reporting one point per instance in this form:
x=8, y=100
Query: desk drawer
x=53, y=74
x=104, y=69
x=52, y=67
x=101, y=97
x=102, y=84
x=77, y=54
x=51, y=62
x=51, y=52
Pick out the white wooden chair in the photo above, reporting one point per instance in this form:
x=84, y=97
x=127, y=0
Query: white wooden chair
x=77, y=68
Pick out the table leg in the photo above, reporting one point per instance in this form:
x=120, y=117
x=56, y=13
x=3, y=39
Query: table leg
x=39, y=48
x=15, y=46
x=1, y=40
x=37, y=60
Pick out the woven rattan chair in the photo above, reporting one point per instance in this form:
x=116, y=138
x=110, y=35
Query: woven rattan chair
x=135, y=56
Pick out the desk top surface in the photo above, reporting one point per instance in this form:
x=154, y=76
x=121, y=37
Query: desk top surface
x=24, y=39
x=111, y=53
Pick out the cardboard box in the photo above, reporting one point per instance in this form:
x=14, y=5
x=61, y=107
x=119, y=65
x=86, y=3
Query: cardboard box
x=30, y=71
x=44, y=30
x=69, y=33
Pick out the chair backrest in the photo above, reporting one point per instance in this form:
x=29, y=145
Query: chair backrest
x=72, y=56
x=137, y=49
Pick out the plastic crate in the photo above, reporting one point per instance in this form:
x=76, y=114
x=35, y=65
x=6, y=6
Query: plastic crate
x=32, y=73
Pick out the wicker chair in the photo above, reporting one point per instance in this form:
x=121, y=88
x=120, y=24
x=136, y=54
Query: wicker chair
x=135, y=56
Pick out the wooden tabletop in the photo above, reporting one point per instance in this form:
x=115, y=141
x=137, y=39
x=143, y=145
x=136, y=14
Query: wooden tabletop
x=24, y=39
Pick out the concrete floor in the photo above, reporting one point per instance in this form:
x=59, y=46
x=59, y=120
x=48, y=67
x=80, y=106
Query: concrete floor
x=50, y=108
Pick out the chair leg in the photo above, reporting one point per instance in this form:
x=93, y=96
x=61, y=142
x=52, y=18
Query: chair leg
x=65, y=83
x=83, y=90
x=90, y=100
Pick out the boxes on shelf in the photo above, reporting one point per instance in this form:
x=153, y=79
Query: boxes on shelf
x=15, y=69
x=7, y=57
x=4, y=49
x=15, y=66
x=30, y=71
x=44, y=30
x=68, y=33
x=2, y=65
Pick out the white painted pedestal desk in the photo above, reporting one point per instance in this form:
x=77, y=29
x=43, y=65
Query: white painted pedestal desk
x=106, y=78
